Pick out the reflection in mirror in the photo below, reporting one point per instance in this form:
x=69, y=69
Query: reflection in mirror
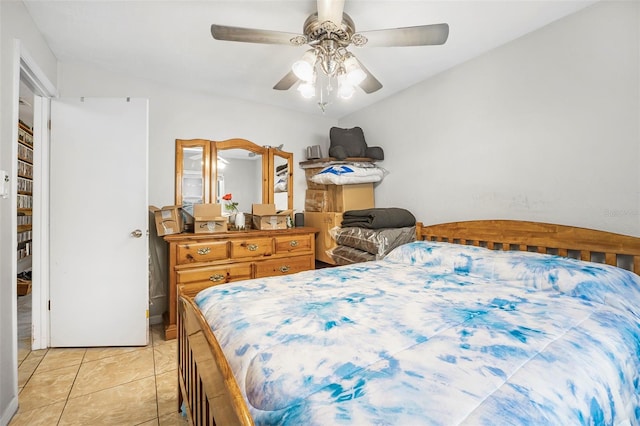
x=281, y=183
x=239, y=174
x=192, y=178
x=281, y=178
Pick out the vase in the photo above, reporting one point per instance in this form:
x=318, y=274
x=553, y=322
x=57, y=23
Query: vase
x=239, y=220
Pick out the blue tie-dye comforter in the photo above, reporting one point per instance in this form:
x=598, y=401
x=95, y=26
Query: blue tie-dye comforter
x=436, y=334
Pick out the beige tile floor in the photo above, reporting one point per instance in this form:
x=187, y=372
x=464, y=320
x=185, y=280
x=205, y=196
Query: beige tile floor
x=96, y=386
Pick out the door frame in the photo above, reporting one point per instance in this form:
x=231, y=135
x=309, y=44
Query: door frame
x=32, y=75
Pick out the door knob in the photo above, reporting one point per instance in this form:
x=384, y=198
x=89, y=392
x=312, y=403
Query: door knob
x=137, y=233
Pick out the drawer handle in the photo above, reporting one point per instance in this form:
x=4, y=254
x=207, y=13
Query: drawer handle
x=252, y=247
x=205, y=250
x=284, y=268
x=294, y=243
x=216, y=277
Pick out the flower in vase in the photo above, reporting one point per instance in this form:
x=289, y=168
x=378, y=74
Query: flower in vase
x=231, y=205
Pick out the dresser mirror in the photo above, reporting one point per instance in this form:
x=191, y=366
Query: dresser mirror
x=241, y=170
x=207, y=170
x=193, y=171
x=282, y=172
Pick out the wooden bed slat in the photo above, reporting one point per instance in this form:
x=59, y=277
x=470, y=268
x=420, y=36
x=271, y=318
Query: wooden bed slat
x=212, y=394
x=585, y=255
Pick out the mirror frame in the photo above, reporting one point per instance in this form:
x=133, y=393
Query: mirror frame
x=247, y=145
x=206, y=167
x=288, y=156
x=210, y=170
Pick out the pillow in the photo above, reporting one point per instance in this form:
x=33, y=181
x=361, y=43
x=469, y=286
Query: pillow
x=375, y=241
x=592, y=282
x=347, y=143
x=344, y=255
x=347, y=174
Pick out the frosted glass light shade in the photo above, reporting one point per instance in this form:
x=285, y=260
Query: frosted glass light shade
x=307, y=90
x=303, y=68
x=354, y=73
x=345, y=89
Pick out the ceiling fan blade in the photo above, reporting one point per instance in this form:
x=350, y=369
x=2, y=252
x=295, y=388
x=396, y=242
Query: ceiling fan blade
x=423, y=35
x=370, y=84
x=252, y=35
x=330, y=10
x=286, y=82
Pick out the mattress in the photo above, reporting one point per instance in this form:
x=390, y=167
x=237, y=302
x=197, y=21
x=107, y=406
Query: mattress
x=435, y=333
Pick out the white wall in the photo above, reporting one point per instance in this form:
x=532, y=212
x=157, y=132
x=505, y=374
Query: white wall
x=176, y=114
x=15, y=24
x=544, y=128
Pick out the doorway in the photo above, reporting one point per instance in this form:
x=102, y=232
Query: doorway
x=35, y=90
x=24, y=213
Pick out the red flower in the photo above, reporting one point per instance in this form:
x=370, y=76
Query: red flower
x=231, y=205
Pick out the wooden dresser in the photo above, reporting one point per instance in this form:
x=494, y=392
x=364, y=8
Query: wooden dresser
x=197, y=261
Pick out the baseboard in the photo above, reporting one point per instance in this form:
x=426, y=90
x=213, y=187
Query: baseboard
x=9, y=411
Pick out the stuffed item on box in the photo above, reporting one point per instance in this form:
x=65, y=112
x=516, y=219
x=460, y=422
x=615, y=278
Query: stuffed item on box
x=346, y=143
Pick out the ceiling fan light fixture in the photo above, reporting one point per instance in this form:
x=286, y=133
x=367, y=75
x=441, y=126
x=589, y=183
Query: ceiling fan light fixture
x=307, y=89
x=345, y=89
x=355, y=75
x=304, y=67
x=329, y=32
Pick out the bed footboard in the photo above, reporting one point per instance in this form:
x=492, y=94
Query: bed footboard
x=208, y=391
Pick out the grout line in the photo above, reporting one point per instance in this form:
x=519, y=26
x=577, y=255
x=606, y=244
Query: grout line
x=66, y=401
x=84, y=360
x=34, y=370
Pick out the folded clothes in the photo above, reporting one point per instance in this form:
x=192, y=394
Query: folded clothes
x=376, y=218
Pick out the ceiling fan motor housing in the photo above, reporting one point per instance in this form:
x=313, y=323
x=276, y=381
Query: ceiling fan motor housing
x=319, y=31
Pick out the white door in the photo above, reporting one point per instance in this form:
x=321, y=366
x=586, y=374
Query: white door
x=98, y=222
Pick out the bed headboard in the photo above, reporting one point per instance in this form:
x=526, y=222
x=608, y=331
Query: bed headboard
x=582, y=243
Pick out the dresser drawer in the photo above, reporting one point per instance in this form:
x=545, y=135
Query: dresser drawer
x=251, y=248
x=202, y=252
x=214, y=275
x=293, y=244
x=284, y=266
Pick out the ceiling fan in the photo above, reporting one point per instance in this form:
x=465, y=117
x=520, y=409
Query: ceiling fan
x=329, y=32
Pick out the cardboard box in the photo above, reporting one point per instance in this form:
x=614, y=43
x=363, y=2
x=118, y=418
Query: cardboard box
x=309, y=173
x=340, y=198
x=353, y=197
x=264, y=216
x=324, y=221
x=207, y=218
x=24, y=287
x=168, y=219
x=318, y=200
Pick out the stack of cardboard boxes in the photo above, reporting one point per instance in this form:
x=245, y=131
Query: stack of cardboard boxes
x=325, y=204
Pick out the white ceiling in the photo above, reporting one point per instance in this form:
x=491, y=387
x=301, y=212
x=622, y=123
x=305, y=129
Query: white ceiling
x=170, y=41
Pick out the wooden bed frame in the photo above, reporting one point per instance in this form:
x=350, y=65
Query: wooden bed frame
x=208, y=391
